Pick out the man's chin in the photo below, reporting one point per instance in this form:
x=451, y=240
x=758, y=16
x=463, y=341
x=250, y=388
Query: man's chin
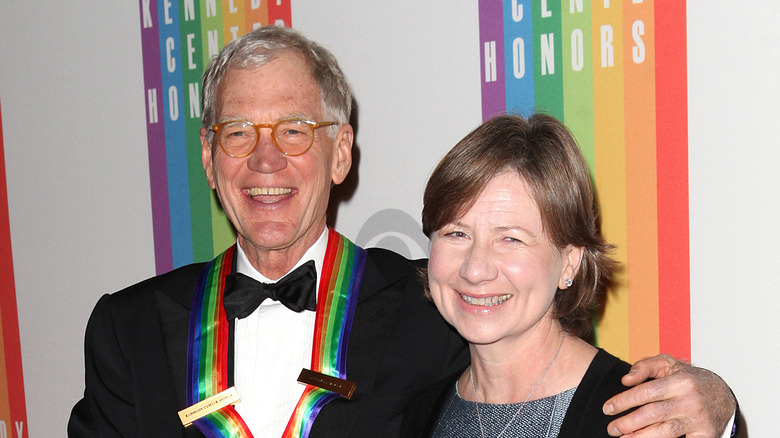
x=268, y=236
x=275, y=236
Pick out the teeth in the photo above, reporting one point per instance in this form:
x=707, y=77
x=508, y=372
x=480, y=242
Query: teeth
x=258, y=191
x=486, y=301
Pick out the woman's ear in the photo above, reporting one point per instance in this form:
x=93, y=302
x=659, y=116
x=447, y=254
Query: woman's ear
x=571, y=258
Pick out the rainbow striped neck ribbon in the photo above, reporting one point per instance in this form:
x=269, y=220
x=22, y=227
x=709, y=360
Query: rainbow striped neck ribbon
x=207, y=348
x=342, y=274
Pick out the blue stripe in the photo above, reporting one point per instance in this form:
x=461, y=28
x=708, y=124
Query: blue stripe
x=519, y=91
x=175, y=135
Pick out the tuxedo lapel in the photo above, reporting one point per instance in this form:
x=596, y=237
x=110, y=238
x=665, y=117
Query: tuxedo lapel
x=174, y=307
x=141, y=323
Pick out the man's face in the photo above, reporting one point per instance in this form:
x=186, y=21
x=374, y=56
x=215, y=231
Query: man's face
x=276, y=202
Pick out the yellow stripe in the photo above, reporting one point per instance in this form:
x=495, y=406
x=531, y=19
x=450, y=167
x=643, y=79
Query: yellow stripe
x=609, y=139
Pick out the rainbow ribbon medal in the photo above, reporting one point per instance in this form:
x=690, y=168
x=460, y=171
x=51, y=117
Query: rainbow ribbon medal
x=207, y=350
x=342, y=273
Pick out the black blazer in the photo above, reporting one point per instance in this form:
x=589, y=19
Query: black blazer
x=136, y=350
x=584, y=418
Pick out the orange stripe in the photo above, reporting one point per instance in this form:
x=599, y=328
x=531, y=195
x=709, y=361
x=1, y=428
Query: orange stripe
x=641, y=197
x=609, y=139
x=256, y=16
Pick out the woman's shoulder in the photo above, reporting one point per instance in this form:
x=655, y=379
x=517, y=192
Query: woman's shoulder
x=608, y=368
x=422, y=412
x=603, y=378
x=601, y=381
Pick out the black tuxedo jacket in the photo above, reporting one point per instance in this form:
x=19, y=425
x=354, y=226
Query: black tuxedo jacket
x=136, y=353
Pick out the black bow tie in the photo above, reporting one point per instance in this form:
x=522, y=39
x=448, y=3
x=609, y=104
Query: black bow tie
x=295, y=290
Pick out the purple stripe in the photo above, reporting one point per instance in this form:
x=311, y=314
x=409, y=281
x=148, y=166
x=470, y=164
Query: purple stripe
x=195, y=339
x=324, y=398
x=155, y=132
x=207, y=426
x=491, y=34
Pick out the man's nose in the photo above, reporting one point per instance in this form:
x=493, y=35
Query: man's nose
x=266, y=158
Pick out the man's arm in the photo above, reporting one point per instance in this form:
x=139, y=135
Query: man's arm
x=681, y=400
x=107, y=408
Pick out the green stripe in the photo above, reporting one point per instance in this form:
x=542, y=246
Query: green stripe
x=578, y=85
x=548, y=88
x=192, y=70
x=349, y=270
x=222, y=422
x=208, y=359
x=330, y=344
x=221, y=232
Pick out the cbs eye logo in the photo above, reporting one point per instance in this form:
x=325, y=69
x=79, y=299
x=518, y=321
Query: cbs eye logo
x=395, y=230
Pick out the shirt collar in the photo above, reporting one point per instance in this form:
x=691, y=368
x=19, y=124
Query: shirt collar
x=315, y=252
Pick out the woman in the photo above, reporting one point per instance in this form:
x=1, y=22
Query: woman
x=517, y=262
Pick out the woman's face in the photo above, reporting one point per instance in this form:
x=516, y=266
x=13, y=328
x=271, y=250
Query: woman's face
x=493, y=272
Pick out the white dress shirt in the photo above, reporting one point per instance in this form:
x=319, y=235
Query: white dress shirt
x=272, y=345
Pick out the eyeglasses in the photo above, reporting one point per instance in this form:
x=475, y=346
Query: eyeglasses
x=238, y=138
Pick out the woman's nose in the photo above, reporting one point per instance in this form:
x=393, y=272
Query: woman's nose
x=478, y=264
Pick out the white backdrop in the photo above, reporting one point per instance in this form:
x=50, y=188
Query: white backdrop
x=71, y=89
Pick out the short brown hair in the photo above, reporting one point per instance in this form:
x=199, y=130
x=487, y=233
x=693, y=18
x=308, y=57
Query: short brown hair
x=544, y=153
x=263, y=45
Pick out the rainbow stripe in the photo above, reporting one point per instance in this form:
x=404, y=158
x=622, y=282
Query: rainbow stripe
x=178, y=39
x=342, y=274
x=596, y=66
x=13, y=411
x=207, y=350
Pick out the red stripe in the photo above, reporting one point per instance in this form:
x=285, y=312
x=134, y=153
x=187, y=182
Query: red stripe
x=280, y=11
x=222, y=337
x=322, y=295
x=13, y=350
x=672, y=155
x=237, y=421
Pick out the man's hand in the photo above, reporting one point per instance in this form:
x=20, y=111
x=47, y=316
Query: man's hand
x=682, y=400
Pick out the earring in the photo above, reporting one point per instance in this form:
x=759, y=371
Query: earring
x=568, y=282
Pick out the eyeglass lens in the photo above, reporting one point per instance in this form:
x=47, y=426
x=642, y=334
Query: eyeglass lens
x=293, y=137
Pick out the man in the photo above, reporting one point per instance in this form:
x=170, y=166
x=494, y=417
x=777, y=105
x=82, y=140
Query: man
x=275, y=138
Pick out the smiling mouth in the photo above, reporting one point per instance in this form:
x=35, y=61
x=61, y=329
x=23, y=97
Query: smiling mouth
x=486, y=301
x=268, y=195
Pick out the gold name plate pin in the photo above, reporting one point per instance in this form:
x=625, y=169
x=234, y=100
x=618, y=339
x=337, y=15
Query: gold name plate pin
x=344, y=388
x=209, y=405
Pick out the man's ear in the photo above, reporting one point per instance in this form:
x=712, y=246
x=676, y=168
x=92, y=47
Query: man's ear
x=205, y=156
x=342, y=156
x=571, y=258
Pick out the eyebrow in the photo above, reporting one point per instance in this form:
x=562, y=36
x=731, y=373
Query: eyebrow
x=288, y=116
x=499, y=228
x=515, y=228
